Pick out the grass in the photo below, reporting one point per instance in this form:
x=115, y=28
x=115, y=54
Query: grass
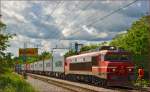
x=11, y=82
x=142, y=83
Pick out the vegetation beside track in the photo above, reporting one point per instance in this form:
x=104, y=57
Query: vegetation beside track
x=9, y=81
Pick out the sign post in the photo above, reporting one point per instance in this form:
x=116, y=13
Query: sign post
x=27, y=52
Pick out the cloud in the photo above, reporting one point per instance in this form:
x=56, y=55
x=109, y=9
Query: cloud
x=46, y=22
x=94, y=33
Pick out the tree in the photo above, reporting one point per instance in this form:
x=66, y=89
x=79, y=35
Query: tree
x=136, y=38
x=4, y=38
x=85, y=48
x=45, y=55
x=70, y=53
x=148, y=21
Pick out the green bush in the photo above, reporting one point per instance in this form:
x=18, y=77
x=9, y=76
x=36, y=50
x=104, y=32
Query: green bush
x=141, y=83
x=11, y=82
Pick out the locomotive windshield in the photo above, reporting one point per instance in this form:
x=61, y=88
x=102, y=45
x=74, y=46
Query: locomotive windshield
x=118, y=57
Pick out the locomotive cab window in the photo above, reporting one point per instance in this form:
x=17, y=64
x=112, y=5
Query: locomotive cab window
x=94, y=61
x=118, y=57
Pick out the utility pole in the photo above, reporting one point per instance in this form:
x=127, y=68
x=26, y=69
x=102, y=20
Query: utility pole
x=149, y=34
x=0, y=17
x=0, y=11
x=52, y=58
x=24, y=59
x=0, y=20
x=148, y=10
x=149, y=6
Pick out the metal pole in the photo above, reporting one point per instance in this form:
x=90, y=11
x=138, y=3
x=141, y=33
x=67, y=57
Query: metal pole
x=24, y=55
x=43, y=62
x=0, y=11
x=52, y=59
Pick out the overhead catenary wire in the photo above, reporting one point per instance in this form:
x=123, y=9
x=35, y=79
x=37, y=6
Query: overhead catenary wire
x=76, y=17
x=59, y=2
x=37, y=45
x=57, y=32
x=0, y=10
x=113, y=12
x=90, y=2
x=104, y=17
x=55, y=8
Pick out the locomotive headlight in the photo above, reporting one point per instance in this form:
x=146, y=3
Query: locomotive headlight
x=113, y=69
x=130, y=70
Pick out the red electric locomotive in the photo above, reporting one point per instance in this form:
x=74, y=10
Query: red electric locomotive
x=109, y=67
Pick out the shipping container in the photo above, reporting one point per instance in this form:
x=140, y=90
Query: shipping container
x=48, y=65
x=35, y=66
x=58, y=62
x=22, y=67
x=40, y=66
x=32, y=66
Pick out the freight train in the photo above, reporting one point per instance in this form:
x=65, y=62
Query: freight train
x=106, y=67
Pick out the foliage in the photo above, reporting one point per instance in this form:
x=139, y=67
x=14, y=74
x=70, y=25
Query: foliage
x=11, y=82
x=29, y=59
x=136, y=38
x=90, y=47
x=141, y=83
x=3, y=40
x=93, y=46
x=86, y=48
x=45, y=55
x=5, y=58
x=70, y=53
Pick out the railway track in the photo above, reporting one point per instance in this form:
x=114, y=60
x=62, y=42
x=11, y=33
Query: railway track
x=73, y=86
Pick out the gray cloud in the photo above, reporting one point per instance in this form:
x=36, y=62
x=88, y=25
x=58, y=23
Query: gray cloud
x=32, y=20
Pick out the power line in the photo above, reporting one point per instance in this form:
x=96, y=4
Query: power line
x=56, y=33
x=90, y=2
x=148, y=7
x=113, y=12
x=0, y=10
x=55, y=8
x=106, y=16
x=52, y=12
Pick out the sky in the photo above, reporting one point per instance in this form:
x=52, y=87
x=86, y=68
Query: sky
x=49, y=23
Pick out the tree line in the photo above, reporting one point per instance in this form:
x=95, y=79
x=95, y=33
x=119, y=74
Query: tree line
x=29, y=59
